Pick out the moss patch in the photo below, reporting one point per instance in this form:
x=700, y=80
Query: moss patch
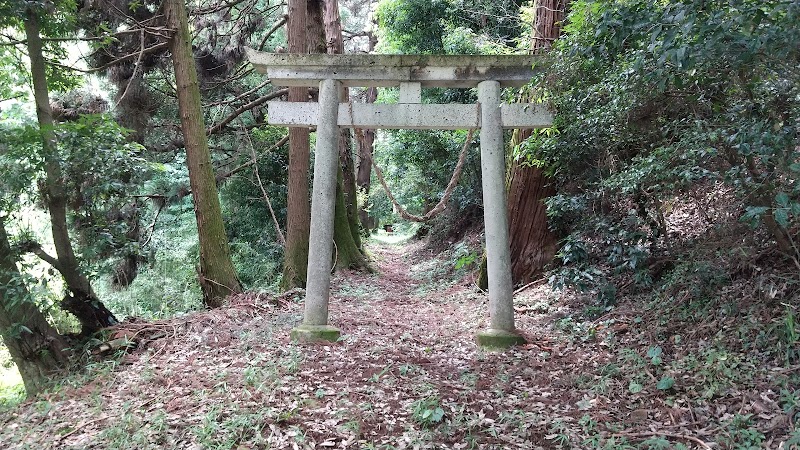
x=498, y=339
x=315, y=333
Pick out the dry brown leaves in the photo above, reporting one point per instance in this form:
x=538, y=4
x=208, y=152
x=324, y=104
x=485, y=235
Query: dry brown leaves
x=230, y=378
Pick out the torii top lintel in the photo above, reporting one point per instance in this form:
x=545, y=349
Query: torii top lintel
x=363, y=70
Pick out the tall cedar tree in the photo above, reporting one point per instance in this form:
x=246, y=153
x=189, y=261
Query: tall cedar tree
x=347, y=233
x=298, y=210
x=533, y=245
x=216, y=272
x=81, y=299
x=35, y=347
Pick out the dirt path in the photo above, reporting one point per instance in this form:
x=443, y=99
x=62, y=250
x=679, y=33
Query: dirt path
x=405, y=374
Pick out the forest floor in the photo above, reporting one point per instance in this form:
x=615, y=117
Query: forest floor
x=406, y=373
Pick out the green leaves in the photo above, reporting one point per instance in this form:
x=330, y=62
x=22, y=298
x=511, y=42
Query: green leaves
x=427, y=411
x=654, y=353
x=665, y=383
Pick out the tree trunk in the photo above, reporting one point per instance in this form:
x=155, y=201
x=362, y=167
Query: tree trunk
x=366, y=143
x=36, y=347
x=81, y=299
x=533, y=245
x=547, y=22
x=131, y=95
x=216, y=272
x=335, y=45
x=298, y=208
x=306, y=34
x=346, y=252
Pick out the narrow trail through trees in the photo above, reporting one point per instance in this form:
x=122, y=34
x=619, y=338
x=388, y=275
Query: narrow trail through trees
x=406, y=373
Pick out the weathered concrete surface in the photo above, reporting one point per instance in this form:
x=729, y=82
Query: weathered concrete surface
x=410, y=93
x=409, y=116
x=492, y=339
x=315, y=333
x=493, y=172
x=323, y=200
x=285, y=69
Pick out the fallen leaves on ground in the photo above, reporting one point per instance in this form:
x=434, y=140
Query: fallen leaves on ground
x=407, y=374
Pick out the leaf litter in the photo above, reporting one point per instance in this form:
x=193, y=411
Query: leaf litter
x=406, y=374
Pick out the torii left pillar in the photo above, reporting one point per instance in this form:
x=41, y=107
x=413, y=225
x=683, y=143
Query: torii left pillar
x=323, y=202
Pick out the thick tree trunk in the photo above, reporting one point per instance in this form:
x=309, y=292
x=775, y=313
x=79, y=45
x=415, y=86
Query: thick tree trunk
x=81, y=300
x=547, y=22
x=298, y=210
x=335, y=45
x=131, y=94
x=217, y=275
x=346, y=252
x=366, y=144
x=533, y=245
x=306, y=34
x=298, y=214
x=35, y=346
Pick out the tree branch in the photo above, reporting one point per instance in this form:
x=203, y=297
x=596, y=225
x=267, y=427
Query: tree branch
x=36, y=248
x=242, y=109
x=223, y=176
x=272, y=30
x=121, y=59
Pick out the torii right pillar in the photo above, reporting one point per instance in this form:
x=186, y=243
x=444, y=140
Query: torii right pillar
x=501, y=332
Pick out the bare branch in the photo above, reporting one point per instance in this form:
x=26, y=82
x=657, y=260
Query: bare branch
x=281, y=238
x=271, y=31
x=36, y=248
x=223, y=176
x=241, y=96
x=135, y=69
x=121, y=59
x=263, y=99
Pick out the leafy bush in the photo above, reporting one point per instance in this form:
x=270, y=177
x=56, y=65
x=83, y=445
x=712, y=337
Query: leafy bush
x=654, y=99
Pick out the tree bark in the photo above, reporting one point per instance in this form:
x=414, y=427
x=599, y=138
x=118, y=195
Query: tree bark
x=306, y=34
x=298, y=208
x=547, y=22
x=346, y=253
x=335, y=45
x=366, y=144
x=216, y=272
x=35, y=347
x=81, y=299
x=533, y=245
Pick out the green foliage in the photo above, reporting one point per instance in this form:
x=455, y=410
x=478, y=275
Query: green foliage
x=418, y=165
x=255, y=250
x=427, y=411
x=653, y=99
x=167, y=285
x=415, y=26
x=56, y=19
x=740, y=434
x=102, y=171
x=787, y=334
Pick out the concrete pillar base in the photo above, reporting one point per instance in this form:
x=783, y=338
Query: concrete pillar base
x=315, y=333
x=493, y=339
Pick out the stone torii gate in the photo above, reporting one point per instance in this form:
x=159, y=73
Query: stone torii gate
x=411, y=73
